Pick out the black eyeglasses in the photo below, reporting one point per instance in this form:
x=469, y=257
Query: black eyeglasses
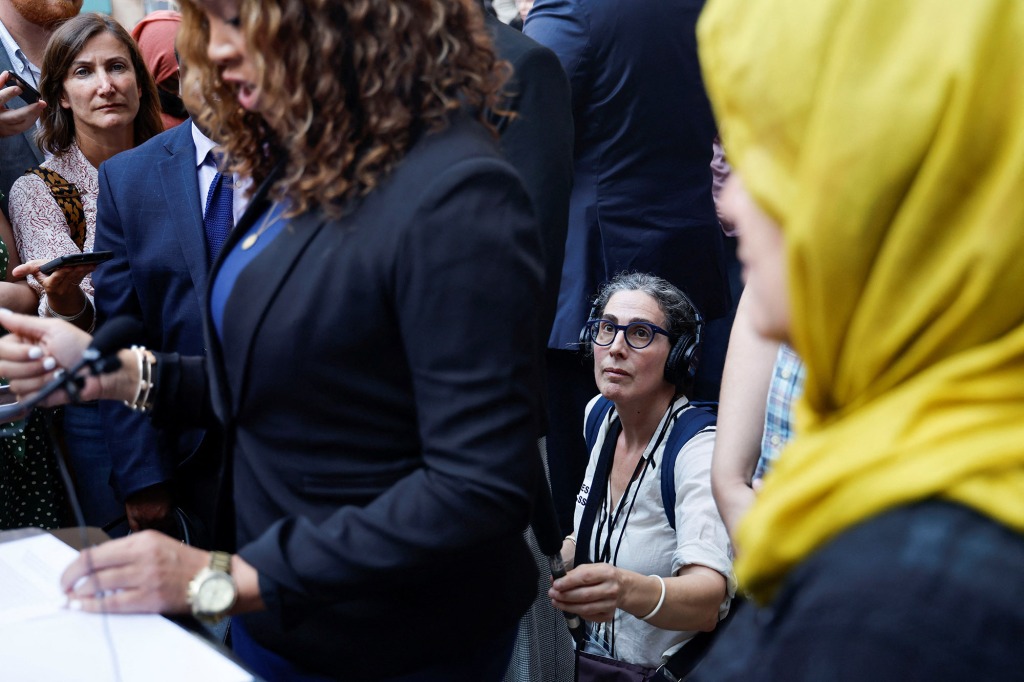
x=638, y=335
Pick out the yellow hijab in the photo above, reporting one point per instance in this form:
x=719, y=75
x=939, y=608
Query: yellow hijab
x=887, y=140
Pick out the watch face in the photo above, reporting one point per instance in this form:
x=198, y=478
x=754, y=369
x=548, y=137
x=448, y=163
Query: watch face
x=216, y=594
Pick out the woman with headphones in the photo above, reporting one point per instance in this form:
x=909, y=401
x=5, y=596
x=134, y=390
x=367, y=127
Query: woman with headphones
x=646, y=573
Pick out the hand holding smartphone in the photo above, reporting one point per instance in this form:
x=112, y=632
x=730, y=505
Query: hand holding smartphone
x=14, y=119
x=28, y=93
x=72, y=259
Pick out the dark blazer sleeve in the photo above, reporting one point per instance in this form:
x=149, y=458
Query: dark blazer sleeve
x=538, y=142
x=181, y=392
x=564, y=27
x=132, y=443
x=464, y=275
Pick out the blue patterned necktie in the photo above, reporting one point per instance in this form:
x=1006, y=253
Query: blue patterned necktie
x=219, y=217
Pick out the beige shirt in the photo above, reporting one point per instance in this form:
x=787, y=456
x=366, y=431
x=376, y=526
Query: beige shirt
x=643, y=541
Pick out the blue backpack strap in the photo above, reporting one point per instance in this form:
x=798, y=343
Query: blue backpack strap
x=709, y=405
x=594, y=419
x=688, y=424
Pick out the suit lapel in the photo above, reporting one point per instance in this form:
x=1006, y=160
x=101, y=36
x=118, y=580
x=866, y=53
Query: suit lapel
x=254, y=292
x=181, y=191
x=219, y=391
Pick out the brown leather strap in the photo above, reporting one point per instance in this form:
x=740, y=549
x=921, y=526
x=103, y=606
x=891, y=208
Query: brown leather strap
x=69, y=199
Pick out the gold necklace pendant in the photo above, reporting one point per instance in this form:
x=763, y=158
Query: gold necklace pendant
x=251, y=240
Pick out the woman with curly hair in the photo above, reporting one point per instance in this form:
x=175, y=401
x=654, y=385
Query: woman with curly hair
x=371, y=330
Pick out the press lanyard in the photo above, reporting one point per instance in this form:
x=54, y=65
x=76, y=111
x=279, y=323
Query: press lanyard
x=604, y=553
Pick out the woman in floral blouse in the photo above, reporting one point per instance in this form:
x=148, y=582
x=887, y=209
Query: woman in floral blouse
x=101, y=100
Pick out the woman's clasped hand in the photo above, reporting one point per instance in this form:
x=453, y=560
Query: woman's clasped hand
x=36, y=349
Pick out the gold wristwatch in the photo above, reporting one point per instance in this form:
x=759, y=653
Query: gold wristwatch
x=213, y=592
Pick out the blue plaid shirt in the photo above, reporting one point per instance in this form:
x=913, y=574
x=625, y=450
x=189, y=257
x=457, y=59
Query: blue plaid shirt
x=786, y=387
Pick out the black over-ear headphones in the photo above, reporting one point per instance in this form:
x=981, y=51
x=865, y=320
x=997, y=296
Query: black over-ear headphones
x=684, y=356
x=586, y=340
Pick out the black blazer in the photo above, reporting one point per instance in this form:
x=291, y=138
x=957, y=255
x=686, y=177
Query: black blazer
x=537, y=141
x=376, y=379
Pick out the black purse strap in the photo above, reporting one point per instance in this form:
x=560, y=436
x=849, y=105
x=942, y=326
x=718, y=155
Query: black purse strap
x=682, y=663
x=595, y=498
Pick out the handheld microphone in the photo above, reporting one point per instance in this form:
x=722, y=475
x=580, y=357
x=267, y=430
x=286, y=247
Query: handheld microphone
x=549, y=540
x=100, y=357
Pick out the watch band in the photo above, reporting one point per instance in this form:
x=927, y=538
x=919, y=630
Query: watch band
x=218, y=570
x=220, y=561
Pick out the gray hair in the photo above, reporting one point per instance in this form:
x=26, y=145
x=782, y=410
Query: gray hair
x=681, y=315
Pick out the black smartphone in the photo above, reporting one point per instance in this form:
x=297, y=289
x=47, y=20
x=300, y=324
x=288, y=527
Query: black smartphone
x=28, y=93
x=71, y=259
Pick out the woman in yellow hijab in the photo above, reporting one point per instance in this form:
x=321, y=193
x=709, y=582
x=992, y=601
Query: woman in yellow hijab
x=881, y=216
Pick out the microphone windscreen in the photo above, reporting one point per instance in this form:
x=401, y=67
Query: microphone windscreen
x=116, y=334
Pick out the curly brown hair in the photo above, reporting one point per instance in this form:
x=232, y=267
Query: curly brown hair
x=346, y=87
x=57, y=124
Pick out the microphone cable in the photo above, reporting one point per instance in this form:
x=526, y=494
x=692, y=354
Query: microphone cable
x=83, y=538
x=99, y=358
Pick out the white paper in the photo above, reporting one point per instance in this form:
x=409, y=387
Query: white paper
x=30, y=571
x=41, y=641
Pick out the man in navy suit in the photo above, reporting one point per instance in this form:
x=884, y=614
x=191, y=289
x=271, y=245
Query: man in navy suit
x=150, y=214
x=641, y=197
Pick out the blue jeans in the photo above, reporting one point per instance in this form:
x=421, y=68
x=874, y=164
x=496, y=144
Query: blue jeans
x=932, y=591
x=90, y=461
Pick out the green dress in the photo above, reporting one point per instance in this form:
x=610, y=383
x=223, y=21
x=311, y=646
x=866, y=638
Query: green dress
x=31, y=492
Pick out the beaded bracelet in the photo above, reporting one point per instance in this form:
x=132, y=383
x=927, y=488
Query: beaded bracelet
x=145, y=367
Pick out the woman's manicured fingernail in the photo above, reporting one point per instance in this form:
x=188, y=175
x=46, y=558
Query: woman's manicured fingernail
x=74, y=605
x=35, y=352
x=49, y=363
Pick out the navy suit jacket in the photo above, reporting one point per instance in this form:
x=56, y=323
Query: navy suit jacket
x=537, y=141
x=149, y=214
x=18, y=153
x=376, y=378
x=641, y=196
